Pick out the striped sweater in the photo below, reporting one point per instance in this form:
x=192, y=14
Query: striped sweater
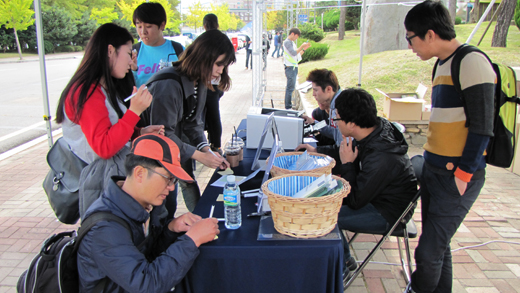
x=450, y=144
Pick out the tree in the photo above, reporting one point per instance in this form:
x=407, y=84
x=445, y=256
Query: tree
x=452, y=6
x=75, y=7
x=18, y=15
x=276, y=20
x=6, y=38
x=517, y=14
x=342, y=16
x=58, y=26
x=172, y=15
x=194, y=18
x=503, y=22
x=86, y=28
x=103, y=15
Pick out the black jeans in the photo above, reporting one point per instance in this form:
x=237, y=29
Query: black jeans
x=212, y=117
x=442, y=210
x=248, y=55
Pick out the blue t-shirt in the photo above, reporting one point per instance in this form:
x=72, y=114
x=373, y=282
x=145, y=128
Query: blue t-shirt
x=148, y=60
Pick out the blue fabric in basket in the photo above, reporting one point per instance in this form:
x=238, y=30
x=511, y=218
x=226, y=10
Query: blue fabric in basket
x=286, y=162
x=288, y=186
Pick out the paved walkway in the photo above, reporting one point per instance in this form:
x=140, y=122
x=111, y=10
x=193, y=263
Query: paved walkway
x=26, y=218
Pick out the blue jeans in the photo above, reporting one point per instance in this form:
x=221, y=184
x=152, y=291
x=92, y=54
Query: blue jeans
x=248, y=55
x=291, y=73
x=443, y=210
x=366, y=219
x=277, y=51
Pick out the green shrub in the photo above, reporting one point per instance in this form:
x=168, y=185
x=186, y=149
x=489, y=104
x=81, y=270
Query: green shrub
x=78, y=48
x=312, y=32
x=314, y=52
x=458, y=20
x=48, y=46
x=64, y=48
x=349, y=26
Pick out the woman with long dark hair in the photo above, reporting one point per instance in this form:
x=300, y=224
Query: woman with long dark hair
x=96, y=124
x=179, y=99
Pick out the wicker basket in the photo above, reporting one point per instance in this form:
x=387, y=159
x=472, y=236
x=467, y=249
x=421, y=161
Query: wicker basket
x=278, y=171
x=304, y=217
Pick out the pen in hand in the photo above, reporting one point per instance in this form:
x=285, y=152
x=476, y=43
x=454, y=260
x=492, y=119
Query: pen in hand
x=133, y=95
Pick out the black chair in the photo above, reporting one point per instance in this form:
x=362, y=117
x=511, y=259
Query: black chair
x=401, y=229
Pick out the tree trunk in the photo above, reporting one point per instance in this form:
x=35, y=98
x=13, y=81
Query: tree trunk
x=18, y=43
x=474, y=15
x=341, y=25
x=453, y=10
x=503, y=22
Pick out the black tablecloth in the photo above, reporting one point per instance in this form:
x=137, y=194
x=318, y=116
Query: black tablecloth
x=237, y=262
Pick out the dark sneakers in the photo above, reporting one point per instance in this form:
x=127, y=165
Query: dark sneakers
x=349, y=269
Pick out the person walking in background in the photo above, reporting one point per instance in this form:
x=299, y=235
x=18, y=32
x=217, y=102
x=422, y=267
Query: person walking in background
x=96, y=124
x=265, y=50
x=458, y=134
x=277, y=45
x=249, y=51
x=149, y=20
x=212, y=109
x=292, y=56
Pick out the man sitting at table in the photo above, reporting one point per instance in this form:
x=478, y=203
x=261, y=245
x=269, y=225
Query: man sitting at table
x=154, y=257
x=378, y=169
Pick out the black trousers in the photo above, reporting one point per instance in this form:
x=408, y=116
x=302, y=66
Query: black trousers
x=212, y=117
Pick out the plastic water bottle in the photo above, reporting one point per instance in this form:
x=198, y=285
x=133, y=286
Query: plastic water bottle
x=232, y=211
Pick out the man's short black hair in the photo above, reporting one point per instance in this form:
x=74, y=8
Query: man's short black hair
x=430, y=15
x=210, y=22
x=150, y=12
x=358, y=106
x=324, y=78
x=295, y=31
x=133, y=161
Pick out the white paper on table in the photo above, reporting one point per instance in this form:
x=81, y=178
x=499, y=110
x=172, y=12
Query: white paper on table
x=223, y=180
x=309, y=140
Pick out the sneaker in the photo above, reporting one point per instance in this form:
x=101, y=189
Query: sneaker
x=351, y=264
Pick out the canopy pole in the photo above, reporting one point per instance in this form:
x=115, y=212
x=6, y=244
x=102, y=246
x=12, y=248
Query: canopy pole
x=43, y=72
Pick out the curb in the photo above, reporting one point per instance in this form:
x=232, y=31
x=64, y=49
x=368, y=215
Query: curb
x=38, y=59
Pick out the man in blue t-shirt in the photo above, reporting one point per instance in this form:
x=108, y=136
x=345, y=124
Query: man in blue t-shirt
x=149, y=20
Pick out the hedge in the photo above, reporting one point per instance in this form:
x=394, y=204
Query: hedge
x=312, y=32
x=314, y=52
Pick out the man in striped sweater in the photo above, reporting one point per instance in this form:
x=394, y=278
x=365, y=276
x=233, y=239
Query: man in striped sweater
x=454, y=171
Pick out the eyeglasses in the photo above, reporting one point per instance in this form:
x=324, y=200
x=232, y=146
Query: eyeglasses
x=409, y=39
x=171, y=181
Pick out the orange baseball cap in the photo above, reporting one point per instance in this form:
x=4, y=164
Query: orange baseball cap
x=163, y=150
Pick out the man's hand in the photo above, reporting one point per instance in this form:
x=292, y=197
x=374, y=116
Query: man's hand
x=308, y=120
x=203, y=231
x=183, y=223
x=461, y=185
x=158, y=129
x=346, y=154
x=307, y=147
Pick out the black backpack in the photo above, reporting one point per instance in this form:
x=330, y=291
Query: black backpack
x=501, y=147
x=54, y=269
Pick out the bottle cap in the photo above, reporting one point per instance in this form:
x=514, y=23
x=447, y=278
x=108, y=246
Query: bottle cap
x=230, y=178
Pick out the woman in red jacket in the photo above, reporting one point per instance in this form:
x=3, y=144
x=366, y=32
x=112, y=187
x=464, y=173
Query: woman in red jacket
x=95, y=122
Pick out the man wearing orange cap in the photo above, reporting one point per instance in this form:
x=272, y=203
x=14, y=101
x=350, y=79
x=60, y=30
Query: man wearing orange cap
x=153, y=256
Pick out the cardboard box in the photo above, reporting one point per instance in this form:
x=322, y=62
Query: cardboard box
x=404, y=106
x=426, y=113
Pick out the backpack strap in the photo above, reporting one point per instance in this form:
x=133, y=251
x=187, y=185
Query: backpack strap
x=178, y=48
x=460, y=53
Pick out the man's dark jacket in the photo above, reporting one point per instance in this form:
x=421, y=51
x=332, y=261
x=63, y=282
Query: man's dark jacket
x=108, y=250
x=382, y=173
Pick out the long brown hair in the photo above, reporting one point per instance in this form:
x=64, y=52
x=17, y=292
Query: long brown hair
x=96, y=66
x=196, y=62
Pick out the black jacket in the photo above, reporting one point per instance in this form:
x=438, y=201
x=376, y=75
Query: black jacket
x=382, y=173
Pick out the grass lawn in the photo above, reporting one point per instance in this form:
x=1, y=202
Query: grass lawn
x=398, y=70
x=15, y=55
